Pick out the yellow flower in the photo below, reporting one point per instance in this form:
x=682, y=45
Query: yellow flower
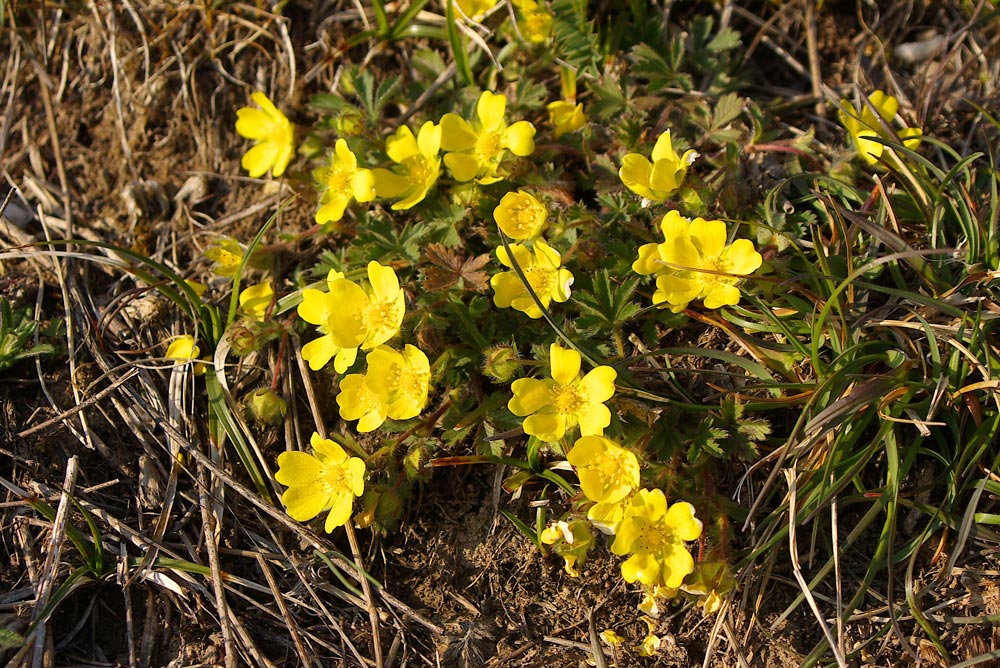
x=316, y=308
x=542, y=269
x=694, y=262
x=350, y=317
x=418, y=165
x=184, y=349
x=654, y=535
x=402, y=378
x=255, y=300
x=608, y=472
x=568, y=399
x=521, y=216
x=327, y=480
x=477, y=148
x=571, y=541
x=341, y=181
x=395, y=386
x=651, y=643
x=661, y=178
x=474, y=9
x=566, y=117
x=225, y=255
x=273, y=132
x=611, y=637
x=536, y=23
x=864, y=126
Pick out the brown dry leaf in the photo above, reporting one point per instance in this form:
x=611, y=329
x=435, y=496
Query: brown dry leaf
x=450, y=268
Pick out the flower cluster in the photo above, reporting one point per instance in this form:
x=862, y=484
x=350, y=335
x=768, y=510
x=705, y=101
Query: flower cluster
x=867, y=128
x=695, y=263
x=350, y=317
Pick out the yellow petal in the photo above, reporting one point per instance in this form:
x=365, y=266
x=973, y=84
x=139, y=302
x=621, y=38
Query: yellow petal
x=548, y=427
x=463, y=166
x=599, y=383
x=594, y=419
x=635, y=172
x=315, y=307
x=340, y=511
x=328, y=451
x=302, y=503
x=519, y=138
x=318, y=352
x=253, y=123
x=680, y=517
x=401, y=145
x=530, y=394
x=296, y=468
x=565, y=364
x=490, y=110
x=456, y=134
x=429, y=139
x=708, y=236
x=722, y=294
x=664, y=148
x=259, y=159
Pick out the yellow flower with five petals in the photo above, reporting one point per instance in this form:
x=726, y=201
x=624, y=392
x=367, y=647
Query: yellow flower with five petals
x=327, y=480
x=418, y=165
x=654, y=535
x=394, y=386
x=273, y=132
x=607, y=471
x=520, y=215
x=542, y=267
x=660, y=178
x=553, y=406
x=341, y=182
x=865, y=126
x=477, y=148
x=694, y=262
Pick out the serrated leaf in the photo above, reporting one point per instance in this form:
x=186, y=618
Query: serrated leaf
x=726, y=40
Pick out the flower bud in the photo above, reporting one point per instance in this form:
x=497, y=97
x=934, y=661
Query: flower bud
x=501, y=363
x=265, y=407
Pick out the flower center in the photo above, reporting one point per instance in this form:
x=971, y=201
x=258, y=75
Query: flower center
x=339, y=179
x=421, y=170
x=489, y=146
x=379, y=316
x=525, y=219
x=334, y=478
x=568, y=399
x=541, y=280
x=653, y=538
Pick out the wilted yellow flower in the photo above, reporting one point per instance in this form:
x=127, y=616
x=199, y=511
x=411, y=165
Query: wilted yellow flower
x=520, y=215
x=341, y=182
x=661, y=178
x=654, y=535
x=571, y=541
x=566, y=117
x=864, y=126
x=256, y=299
x=607, y=471
x=694, y=262
x=226, y=255
x=184, y=349
x=477, y=148
x=350, y=317
x=326, y=480
x=418, y=165
x=549, y=281
x=273, y=132
x=568, y=399
x=651, y=643
x=611, y=637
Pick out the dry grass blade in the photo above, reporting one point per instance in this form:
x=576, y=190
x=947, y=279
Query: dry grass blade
x=790, y=478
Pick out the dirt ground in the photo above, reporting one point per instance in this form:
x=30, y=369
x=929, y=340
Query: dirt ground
x=118, y=128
